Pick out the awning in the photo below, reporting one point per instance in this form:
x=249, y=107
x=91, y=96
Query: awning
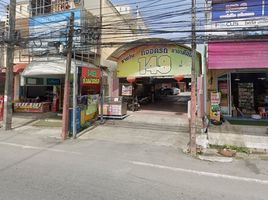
x=51, y=67
x=17, y=68
x=154, y=57
x=238, y=55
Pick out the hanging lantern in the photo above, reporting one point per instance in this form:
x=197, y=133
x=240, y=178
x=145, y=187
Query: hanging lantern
x=178, y=77
x=131, y=79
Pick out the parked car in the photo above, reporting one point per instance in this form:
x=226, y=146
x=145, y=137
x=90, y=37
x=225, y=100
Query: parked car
x=176, y=91
x=167, y=91
x=170, y=91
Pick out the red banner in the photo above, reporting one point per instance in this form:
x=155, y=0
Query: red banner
x=90, y=76
x=1, y=107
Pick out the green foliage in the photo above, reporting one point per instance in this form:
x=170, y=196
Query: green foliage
x=231, y=147
x=237, y=149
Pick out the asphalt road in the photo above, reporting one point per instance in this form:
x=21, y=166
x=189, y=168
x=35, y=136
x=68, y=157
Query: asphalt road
x=102, y=167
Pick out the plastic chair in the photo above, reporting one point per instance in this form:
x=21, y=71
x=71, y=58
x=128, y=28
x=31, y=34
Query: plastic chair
x=262, y=112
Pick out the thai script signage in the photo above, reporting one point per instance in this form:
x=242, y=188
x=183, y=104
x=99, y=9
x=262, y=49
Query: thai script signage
x=239, y=14
x=215, y=110
x=31, y=107
x=215, y=98
x=127, y=90
x=156, y=60
x=242, y=23
x=237, y=10
x=53, y=81
x=34, y=81
x=90, y=76
x=49, y=31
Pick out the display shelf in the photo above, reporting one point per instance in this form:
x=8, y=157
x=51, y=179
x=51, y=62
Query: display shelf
x=114, y=106
x=246, y=97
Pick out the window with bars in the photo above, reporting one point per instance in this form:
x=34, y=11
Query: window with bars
x=40, y=7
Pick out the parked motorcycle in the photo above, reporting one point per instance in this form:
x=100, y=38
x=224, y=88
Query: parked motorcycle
x=144, y=100
x=133, y=106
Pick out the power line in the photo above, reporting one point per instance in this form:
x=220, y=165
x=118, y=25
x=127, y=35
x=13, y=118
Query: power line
x=156, y=20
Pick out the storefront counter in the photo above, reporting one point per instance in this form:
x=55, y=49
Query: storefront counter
x=114, y=106
x=32, y=107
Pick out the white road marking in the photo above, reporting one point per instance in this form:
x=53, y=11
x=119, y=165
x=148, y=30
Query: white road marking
x=200, y=173
x=37, y=148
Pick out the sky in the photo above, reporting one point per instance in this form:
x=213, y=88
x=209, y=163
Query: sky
x=174, y=14
x=156, y=12
x=2, y=8
x=2, y=4
x=178, y=21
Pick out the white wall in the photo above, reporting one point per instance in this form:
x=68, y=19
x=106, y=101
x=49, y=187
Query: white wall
x=116, y=31
x=2, y=56
x=22, y=10
x=92, y=6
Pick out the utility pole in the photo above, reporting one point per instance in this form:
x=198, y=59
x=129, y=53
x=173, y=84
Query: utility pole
x=99, y=53
x=9, y=67
x=75, y=77
x=192, y=144
x=66, y=97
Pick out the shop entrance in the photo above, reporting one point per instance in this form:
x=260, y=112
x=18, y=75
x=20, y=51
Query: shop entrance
x=39, y=93
x=163, y=94
x=153, y=66
x=244, y=94
x=250, y=93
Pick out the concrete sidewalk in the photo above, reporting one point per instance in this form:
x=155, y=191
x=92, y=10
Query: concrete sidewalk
x=18, y=122
x=126, y=132
x=145, y=127
x=137, y=135
x=158, y=118
x=158, y=128
x=23, y=126
x=24, y=119
x=132, y=130
x=254, y=137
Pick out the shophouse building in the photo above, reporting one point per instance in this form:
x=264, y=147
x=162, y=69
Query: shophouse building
x=20, y=54
x=237, y=62
x=2, y=58
x=40, y=55
x=119, y=26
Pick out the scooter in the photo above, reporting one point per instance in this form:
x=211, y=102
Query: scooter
x=133, y=106
x=144, y=100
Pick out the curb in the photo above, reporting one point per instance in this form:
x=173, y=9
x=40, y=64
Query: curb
x=93, y=126
x=216, y=159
